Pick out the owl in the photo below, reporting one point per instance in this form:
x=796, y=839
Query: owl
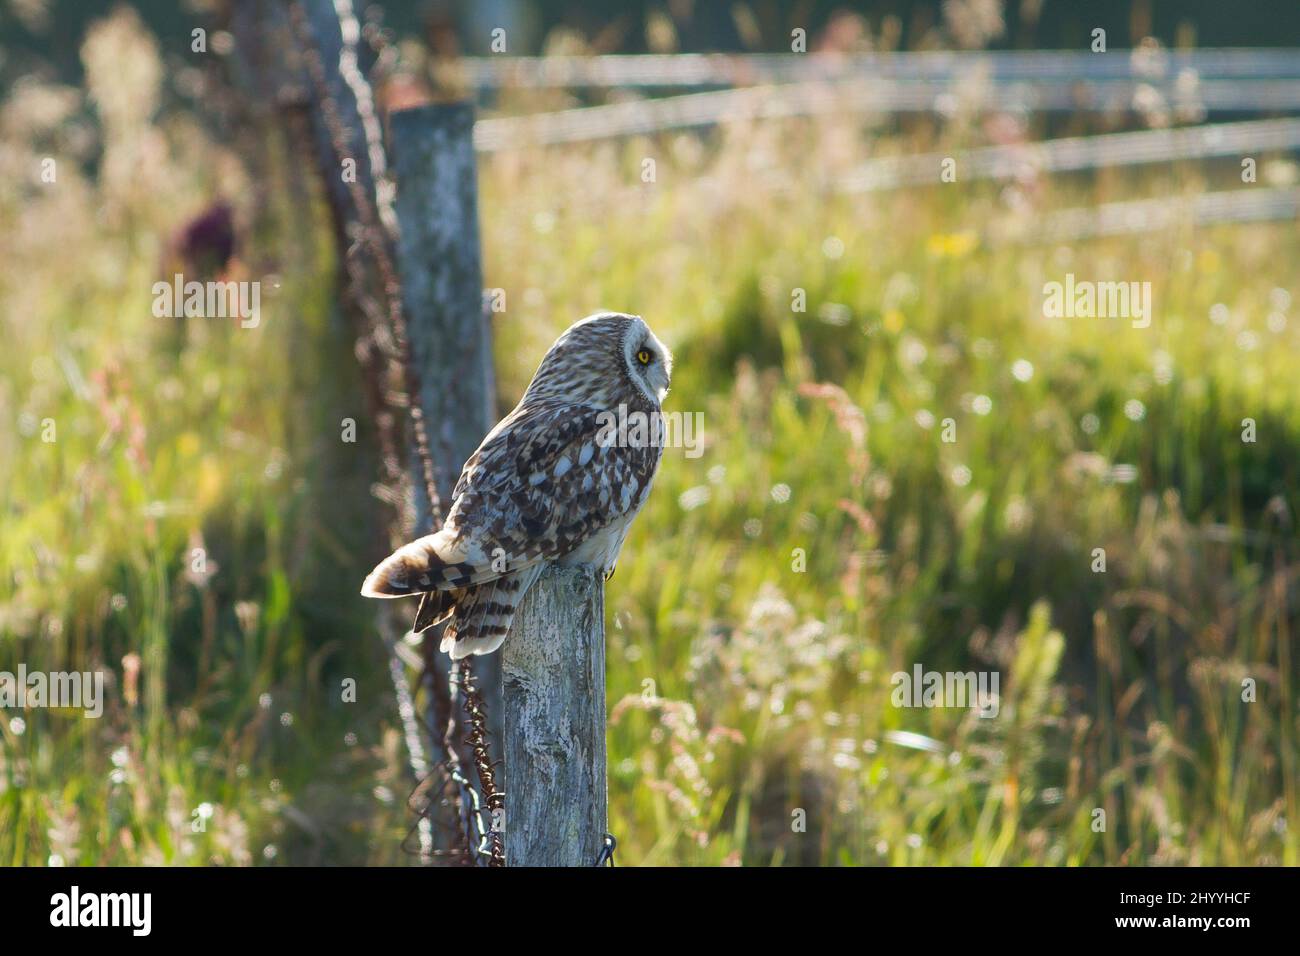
x=559, y=479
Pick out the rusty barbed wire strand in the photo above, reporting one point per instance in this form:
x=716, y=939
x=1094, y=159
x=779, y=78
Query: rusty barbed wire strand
x=370, y=232
x=375, y=237
x=468, y=807
x=478, y=741
x=422, y=769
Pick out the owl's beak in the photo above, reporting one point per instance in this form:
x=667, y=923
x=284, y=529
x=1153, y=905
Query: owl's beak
x=658, y=383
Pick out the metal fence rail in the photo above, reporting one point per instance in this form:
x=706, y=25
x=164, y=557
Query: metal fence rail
x=715, y=69
x=1151, y=215
x=648, y=116
x=775, y=86
x=1077, y=153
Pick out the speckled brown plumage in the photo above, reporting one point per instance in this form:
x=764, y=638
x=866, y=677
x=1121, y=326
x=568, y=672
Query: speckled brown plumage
x=547, y=484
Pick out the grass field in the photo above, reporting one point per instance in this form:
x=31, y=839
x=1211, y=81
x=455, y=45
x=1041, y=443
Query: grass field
x=197, y=529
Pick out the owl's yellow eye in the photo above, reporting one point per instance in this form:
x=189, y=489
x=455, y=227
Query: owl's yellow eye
x=643, y=356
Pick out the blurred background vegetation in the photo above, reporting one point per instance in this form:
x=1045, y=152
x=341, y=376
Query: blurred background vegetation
x=740, y=688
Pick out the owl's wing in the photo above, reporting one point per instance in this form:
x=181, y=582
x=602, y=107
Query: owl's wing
x=544, y=481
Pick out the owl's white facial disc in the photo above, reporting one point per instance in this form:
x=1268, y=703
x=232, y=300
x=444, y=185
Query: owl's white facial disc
x=648, y=362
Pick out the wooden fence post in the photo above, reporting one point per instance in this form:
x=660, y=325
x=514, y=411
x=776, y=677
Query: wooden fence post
x=545, y=691
x=549, y=711
x=438, y=257
x=553, y=675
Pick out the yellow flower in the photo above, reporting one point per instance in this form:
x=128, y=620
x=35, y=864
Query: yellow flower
x=952, y=245
x=208, y=486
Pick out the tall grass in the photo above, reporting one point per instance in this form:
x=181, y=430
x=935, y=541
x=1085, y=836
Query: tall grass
x=827, y=537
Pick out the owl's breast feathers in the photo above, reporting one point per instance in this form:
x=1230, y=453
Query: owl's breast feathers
x=547, y=481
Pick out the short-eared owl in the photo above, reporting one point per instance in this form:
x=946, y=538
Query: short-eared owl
x=553, y=482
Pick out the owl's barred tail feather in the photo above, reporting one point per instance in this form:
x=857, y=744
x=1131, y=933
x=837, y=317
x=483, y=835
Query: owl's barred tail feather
x=477, y=603
x=435, y=607
x=420, y=566
x=480, y=620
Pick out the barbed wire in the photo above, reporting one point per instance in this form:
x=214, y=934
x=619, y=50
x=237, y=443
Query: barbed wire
x=371, y=233
x=374, y=230
x=478, y=740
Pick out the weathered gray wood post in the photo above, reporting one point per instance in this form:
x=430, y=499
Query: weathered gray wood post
x=553, y=672
x=450, y=341
x=439, y=260
x=545, y=692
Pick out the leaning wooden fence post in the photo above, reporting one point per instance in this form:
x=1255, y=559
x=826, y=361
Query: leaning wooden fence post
x=448, y=335
x=553, y=684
